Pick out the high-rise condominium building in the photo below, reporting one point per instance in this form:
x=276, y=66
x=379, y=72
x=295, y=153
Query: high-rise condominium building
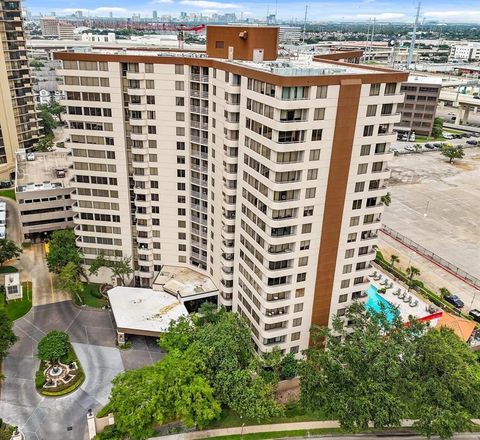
x=18, y=123
x=264, y=174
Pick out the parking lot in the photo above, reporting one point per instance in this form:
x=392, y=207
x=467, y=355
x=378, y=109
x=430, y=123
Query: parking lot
x=436, y=204
x=93, y=337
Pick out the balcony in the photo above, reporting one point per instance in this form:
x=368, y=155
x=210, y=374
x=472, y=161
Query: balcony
x=199, y=140
x=199, y=94
x=198, y=109
x=200, y=125
x=199, y=78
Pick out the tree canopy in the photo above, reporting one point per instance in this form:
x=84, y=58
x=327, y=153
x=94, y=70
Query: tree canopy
x=53, y=346
x=210, y=363
x=8, y=250
x=62, y=250
x=121, y=268
x=452, y=152
x=381, y=372
x=7, y=337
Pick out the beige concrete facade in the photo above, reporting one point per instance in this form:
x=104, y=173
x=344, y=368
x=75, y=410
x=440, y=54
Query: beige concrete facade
x=18, y=123
x=226, y=167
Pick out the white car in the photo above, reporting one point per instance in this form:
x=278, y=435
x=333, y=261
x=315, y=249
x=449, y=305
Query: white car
x=410, y=148
x=447, y=135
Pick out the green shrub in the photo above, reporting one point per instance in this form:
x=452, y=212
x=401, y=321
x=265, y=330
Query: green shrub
x=104, y=411
x=66, y=388
x=40, y=379
x=289, y=366
x=109, y=433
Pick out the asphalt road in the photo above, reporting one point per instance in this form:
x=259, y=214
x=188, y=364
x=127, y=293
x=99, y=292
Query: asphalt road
x=469, y=436
x=14, y=227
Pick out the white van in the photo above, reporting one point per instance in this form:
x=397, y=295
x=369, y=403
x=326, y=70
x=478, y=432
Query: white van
x=3, y=218
x=3, y=206
x=2, y=232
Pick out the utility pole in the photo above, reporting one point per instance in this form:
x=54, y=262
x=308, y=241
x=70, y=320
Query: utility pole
x=305, y=24
x=371, y=40
x=365, y=54
x=414, y=37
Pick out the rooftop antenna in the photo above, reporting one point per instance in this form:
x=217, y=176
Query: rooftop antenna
x=305, y=24
x=414, y=37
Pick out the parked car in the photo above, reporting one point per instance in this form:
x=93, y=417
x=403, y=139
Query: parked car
x=454, y=300
x=5, y=184
x=472, y=142
x=410, y=148
x=437, y=145
x=429, y=146
x=447, y=135
x=466, y=135
x=475, y=314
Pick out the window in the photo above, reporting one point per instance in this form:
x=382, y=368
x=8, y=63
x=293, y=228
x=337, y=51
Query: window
x=362, y=168
x=354, y=221
x=219, y=44
x=312, y=174
x=371, y=110
x=314, y=154
x=322, y=92
x=152, y=129
x=357, y=204
x=295, y=336
x=347, y=268
x=344, y=284
x=180, y=116
x=310, y=193
x=365, y=150
x=374, y=89
x=179, y=69
x=298, y=307
x=294, y=349
x=343, y=298
x=306, y=228
x=149, y=84
x=319, y=114
x=302, y=261
x=179, y=101
x=180, y=131
x=299, y=293
x=308, y=211
x=301, y=277
x=390, y=88
x=349, y=253
x=387, y=109
x=297, y=322
x=150, y=99
x=317, y=135
x=351, y=237
x=179, y=85
x=305, y=245
x=359, y=187
x=368, y=130
x=180, y=145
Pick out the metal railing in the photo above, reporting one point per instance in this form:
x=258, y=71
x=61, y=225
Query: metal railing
x=429, y=255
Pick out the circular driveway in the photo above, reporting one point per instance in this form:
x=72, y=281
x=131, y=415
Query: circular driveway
x=93, y=337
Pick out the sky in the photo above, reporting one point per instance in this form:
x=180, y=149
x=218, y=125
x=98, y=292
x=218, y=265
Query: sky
x=449, y=11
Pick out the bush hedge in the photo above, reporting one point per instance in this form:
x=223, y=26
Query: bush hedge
x=68, y=388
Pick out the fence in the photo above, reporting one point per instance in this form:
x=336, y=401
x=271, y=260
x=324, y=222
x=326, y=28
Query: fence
x=429, y=255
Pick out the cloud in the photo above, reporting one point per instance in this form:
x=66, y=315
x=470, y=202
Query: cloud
x=382, y=17
x=450, y=14
x=163, y=1
x=99, y=10
x=207, y=4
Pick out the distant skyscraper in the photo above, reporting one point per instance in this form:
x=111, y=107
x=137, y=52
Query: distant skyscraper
x=18, y=121
x=155, y=14
x=110, y=14
x=78, y=14
x=183, y=15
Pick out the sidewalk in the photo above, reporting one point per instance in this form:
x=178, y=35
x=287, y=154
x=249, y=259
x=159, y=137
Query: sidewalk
x=326, y=424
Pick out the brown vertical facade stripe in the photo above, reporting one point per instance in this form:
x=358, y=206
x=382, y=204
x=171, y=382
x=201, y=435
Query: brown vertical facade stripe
x=345, y=123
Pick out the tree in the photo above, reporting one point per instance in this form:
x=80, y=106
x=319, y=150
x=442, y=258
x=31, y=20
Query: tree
x=121, y=269
x=444, y=292
x=56, y=109
x=381, y=372
x=47, y=121
x=412, y=272
x=393, y=259
x=172, y=389
x=7, y=337
x=69, y=279
x=417, y=147
x=289, y=366
x=437, y=129
x=387, y=199
x=8, y=250
x=53, y=346
x=45, y=143
x=452, y=152
x=62, y=250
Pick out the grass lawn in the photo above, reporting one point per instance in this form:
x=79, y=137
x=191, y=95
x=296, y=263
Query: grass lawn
x=293, y=413
x=91, y=296
x=280, y=434
x=428, y=139
x=8, y=269
x=19, y=307
x=9, y=193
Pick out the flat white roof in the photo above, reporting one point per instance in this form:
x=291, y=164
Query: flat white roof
x=424, y=79
x=184, y=282
x=144, y=310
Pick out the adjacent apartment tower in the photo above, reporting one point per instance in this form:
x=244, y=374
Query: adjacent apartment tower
x=18, y=122
x=265, y=174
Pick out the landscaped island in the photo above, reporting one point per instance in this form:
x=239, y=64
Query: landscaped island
x=60, y=372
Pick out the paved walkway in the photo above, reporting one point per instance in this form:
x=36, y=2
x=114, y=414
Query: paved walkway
x=432, y=275
x=326, y=424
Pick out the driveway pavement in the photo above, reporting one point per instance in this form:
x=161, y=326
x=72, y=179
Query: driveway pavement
x=93, y=337
x=14, y=226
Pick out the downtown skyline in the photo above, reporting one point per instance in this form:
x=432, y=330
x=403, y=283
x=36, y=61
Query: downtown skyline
x=344, y=10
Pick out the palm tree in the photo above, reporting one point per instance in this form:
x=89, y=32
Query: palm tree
x=393, y=259
x=411, y=272
x=444, y=292
x=386, y=199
